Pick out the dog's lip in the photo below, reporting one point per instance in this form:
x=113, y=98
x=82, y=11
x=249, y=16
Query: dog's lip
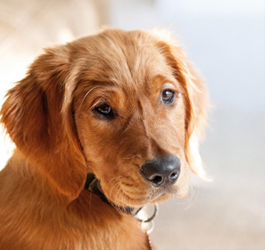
x=169, y=190
x=160, y=192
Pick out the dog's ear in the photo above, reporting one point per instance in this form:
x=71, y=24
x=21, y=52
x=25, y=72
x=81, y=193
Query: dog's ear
x=38, y=116
x=195, y=98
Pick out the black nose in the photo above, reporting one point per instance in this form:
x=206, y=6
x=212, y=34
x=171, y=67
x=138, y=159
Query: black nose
x=162, y=171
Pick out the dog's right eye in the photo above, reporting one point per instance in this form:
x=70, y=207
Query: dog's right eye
x=168, y=96
x=104, y=110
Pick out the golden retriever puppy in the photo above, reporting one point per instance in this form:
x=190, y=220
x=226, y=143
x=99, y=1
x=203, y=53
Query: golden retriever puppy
x=102, y=126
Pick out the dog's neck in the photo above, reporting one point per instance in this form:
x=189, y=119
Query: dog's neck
x=92, y=184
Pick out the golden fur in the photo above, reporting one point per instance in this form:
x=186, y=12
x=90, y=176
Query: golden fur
x=49, y=116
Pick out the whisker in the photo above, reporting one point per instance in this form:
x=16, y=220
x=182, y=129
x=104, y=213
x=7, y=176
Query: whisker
x=115, y=183
x=119, y=191
x=193, y=195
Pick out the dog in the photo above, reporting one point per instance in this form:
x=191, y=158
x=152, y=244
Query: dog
x=102, y=126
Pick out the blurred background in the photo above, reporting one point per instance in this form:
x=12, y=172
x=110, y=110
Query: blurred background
x=225, y=40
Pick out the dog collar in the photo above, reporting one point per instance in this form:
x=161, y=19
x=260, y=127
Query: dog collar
x=92, y=184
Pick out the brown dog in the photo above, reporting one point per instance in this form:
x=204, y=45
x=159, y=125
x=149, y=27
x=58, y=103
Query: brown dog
x=125, y=107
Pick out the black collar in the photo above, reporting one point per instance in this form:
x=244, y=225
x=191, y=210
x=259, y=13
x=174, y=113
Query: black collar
x=92, y=184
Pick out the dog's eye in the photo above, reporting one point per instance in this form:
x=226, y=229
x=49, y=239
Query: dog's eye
x=104, y=110
x=168, y=96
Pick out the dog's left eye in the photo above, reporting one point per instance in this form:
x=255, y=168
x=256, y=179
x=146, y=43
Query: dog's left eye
x=168, y=96
x=104, y=110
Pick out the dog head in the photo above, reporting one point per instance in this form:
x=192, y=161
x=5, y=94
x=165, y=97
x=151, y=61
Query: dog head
x=125, y=106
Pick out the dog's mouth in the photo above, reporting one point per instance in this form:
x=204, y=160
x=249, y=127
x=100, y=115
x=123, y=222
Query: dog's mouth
x=150, y=195
x=119, y=195
x=124, y=195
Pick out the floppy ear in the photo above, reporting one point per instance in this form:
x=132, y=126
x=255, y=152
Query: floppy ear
x=196, y=118
x=195, y=98
x=38, y=116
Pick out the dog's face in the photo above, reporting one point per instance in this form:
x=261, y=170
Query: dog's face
x=128, y=111
x=120, y=105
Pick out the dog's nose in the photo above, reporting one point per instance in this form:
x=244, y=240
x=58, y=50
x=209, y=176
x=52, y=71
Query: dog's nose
x=162, y=171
